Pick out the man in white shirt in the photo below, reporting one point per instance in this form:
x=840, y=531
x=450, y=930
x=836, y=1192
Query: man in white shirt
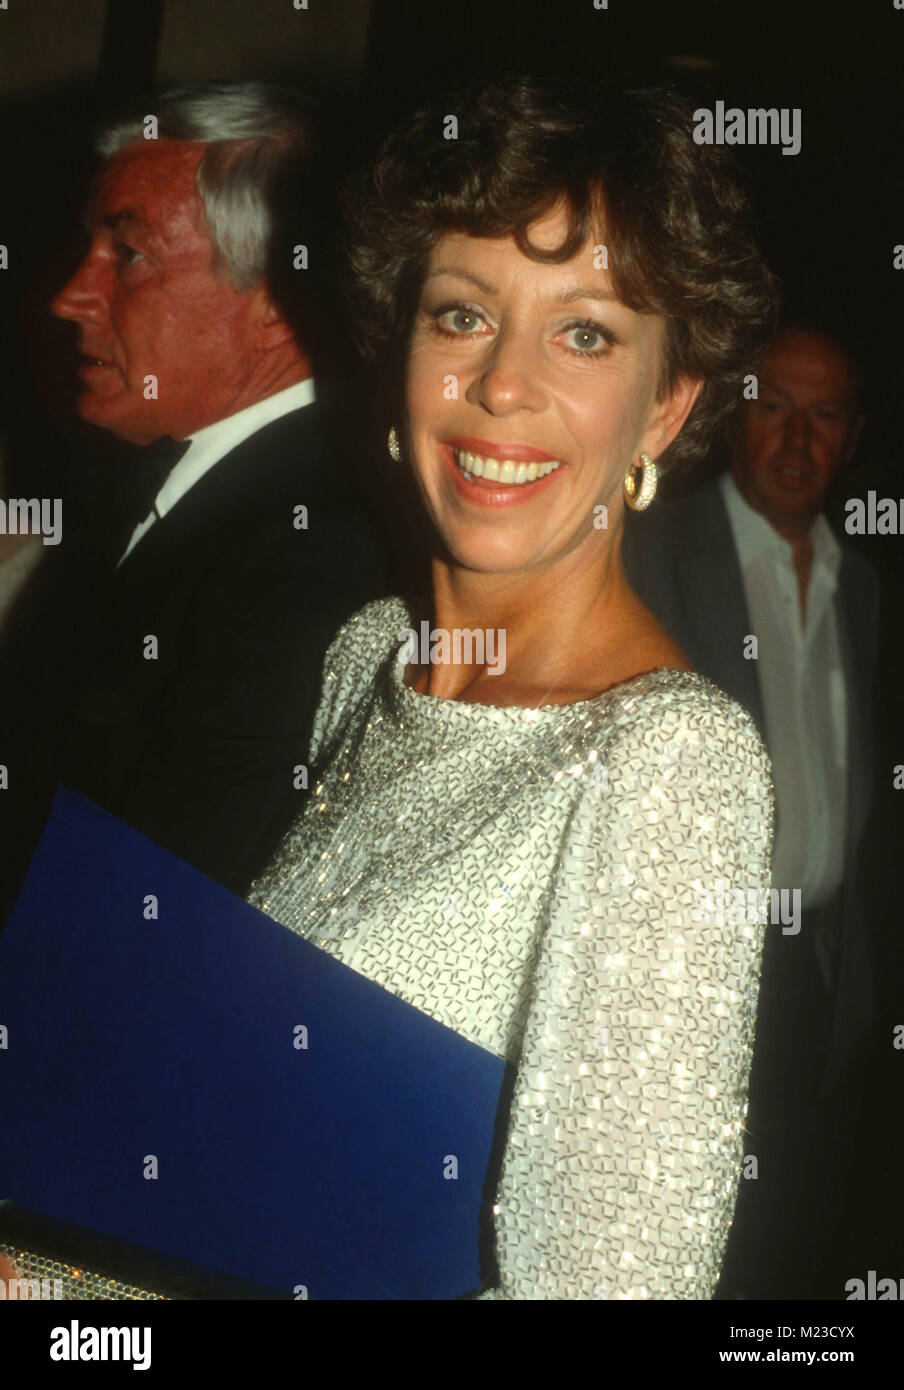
x=750, y=580
x=209, y=445
x=787, y=446
x=184, y=703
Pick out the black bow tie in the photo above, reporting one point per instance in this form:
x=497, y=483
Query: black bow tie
x=142, y=478
x=155, y=468
x=147, y=474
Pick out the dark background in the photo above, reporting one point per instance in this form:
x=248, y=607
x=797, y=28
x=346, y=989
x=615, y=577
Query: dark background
x=828, y=217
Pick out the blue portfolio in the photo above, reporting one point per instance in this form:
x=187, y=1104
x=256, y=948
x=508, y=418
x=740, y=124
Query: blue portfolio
x=184, y=1074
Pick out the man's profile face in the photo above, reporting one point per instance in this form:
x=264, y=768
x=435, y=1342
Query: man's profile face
x=149, y=302
x=788, y=445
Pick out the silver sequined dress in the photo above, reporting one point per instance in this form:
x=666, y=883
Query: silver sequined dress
x=530, y=877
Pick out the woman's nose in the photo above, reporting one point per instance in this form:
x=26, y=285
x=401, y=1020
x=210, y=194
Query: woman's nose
x=509, y=379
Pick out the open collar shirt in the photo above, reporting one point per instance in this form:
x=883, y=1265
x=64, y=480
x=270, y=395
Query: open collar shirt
x=804, y=695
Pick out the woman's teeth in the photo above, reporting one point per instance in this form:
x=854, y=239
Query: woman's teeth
x=504, y=471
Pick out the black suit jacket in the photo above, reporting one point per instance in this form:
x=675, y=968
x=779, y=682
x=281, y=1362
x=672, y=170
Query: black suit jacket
x=196, y=745
x=680, y=558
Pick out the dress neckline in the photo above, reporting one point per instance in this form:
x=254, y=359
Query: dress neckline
x=413, y=701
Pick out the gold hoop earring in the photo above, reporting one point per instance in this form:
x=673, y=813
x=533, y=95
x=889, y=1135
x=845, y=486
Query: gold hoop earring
x=393, y=445
x=639, y=495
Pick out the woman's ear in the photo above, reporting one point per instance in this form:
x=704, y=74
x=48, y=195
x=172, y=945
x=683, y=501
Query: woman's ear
x=670, y=414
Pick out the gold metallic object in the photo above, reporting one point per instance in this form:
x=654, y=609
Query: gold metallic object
x=639, y=495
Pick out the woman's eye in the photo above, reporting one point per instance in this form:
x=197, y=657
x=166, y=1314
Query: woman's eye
x=127, y=255
x=459, y=320
x=585, y=338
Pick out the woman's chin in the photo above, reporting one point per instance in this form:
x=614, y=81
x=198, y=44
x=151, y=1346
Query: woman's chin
x=489, y=559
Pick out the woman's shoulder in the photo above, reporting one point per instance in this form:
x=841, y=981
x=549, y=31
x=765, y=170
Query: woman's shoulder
x=370, y=633
x=682, y=766
x=653, y=716
x=354, y=657
x=669, y=687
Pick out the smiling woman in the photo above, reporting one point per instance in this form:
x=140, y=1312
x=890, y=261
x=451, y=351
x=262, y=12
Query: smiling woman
x=572, y=806
x=665, y=215
x=581, y=392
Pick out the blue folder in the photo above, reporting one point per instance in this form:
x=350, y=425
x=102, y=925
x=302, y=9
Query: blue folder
x=309, y=1128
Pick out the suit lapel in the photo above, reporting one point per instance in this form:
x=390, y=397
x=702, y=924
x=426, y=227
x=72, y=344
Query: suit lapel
x=713, y=594
x=858, y=746
x=242, y=480
x=855, y=994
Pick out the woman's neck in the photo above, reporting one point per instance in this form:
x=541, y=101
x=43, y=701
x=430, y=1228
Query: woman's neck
x=552, y=637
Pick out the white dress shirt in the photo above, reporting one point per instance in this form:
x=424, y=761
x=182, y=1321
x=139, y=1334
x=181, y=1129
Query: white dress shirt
x=804, y=696
x=211, y=444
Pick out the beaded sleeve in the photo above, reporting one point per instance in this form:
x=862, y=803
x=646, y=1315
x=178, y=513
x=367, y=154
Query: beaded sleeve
x=625, y=1139
x=348, y=671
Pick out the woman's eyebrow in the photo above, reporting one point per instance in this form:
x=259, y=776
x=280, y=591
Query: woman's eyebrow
x=587, y=292
x=566, y=296
x=462, y=274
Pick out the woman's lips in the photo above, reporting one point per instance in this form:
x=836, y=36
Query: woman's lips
x=491, y=492
x=487, y=449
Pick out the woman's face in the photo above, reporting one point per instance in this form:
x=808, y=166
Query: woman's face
x=530, y=392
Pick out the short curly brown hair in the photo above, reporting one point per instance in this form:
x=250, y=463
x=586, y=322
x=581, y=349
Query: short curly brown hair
x=676, y=219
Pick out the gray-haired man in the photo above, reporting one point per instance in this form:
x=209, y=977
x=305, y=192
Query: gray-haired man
x=185, y=706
